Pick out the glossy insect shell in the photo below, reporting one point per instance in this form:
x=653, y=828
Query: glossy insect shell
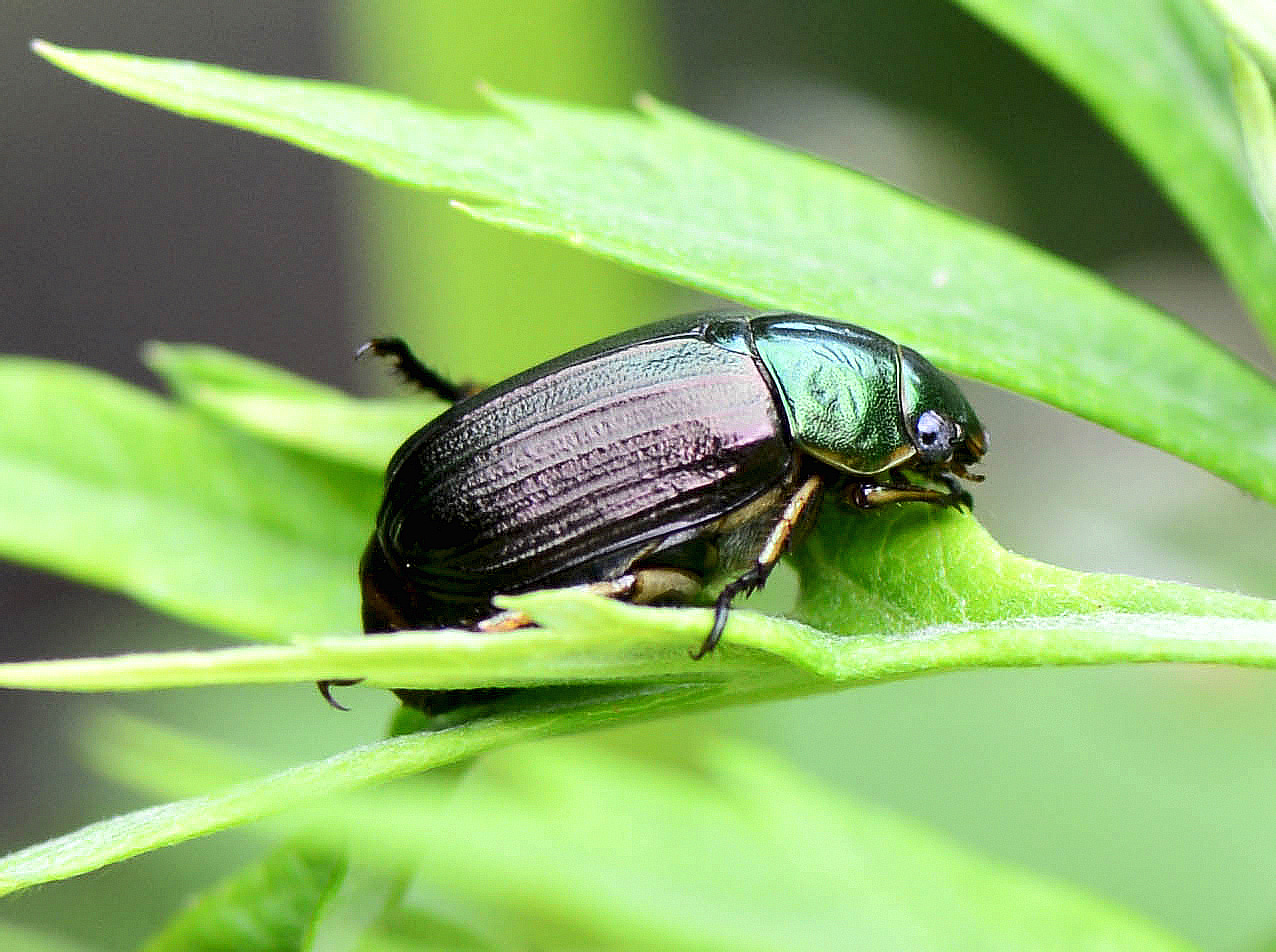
x=641, y=449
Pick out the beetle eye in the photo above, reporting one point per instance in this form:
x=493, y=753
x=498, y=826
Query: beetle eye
x=936, y=436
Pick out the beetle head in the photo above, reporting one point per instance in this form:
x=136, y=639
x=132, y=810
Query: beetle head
x=939, y=421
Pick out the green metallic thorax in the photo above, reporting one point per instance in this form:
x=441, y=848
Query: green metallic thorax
x=840, y=390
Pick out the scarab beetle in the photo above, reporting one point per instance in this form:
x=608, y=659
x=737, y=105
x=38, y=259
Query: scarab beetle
x=652, y=464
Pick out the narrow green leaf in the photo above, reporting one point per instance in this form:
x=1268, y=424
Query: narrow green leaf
x=919, y=591
x=351, y=916
x=109, y=484
x=288, y=410
x=736, y=852
x=271, y=906
x=1258, y=123
x=189, y=369
x=702, y=204
x=648, y=647
x=121, y=837
x=1155, y=71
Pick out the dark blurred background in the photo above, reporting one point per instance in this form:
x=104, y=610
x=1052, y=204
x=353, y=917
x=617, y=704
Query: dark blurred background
x=121, y=224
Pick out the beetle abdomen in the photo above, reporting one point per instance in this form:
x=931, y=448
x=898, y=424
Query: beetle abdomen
x=581, y=467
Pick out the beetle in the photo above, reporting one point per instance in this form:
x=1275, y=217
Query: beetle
x=652, y=464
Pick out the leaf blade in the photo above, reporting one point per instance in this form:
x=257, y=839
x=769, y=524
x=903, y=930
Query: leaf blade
x=1155, y=73
x=111, y=485
x=737, y=851
x=719, y=210
x=1253, y=24
x=919, y=593
x=287, y=410
x=270, y=905
x=1257, y=116
x=125, y=836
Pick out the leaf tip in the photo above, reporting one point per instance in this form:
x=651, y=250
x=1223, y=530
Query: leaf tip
x=156, y=353
x=162, y=359
x=63, y=57
x=45, y=49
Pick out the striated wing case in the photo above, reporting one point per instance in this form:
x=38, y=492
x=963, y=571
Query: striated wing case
x=570, y=472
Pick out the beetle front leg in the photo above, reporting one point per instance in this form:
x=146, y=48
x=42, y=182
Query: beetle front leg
x=872, y=495
x=807, y=496
x=958, y=495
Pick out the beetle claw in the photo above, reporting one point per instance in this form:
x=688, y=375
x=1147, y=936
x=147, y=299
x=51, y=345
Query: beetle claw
x=720, y=609
x=325, y=688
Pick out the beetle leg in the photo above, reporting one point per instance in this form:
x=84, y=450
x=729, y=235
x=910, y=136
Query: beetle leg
x=960, y=470
x=807, y=495
x=872, y=495
x=413, y=371
x=958, y=496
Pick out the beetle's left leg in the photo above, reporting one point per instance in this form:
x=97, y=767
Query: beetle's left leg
x=641, y=587
x=413, y=371
x=800, y=504
x=872, y=495
x=958, y=495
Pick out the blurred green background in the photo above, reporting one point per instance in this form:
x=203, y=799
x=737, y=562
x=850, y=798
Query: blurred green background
x=1151, y=786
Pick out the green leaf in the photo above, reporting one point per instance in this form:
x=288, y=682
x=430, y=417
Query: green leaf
x=270, y=906
x=121, y=837
x=288, y=410
x=698, y=203
x=107, y=483
x=920, y=591
x=1155, y=71
x=735, y=851
x=573, y=845
x=933, y=591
